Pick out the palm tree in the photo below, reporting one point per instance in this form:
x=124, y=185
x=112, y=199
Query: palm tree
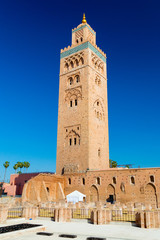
x=6, y=165
x=20, y=166
x=15, y=167
x=26, y=165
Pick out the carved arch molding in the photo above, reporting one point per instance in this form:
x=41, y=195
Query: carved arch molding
x=74, y=61
x=73, y=93
x=99, y=109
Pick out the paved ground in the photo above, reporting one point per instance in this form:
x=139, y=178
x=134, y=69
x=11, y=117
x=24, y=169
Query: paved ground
x=84, y=230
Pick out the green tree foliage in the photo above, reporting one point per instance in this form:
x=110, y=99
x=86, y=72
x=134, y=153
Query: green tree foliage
x=6, y=165
x=112, y=164
x=20, y=166
x=26, y=165
x=127, y=166
x=15, y=167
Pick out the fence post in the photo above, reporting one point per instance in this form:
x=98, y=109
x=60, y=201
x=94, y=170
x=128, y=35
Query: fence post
x=3, y=214
x=34, y=212
x=56, y=215
x=99, y=217
x=68, y=214
x=147, y=219
x=30, y=212
x=108, y=216
x=94, y=216
x=61, y=215
x=26, y=212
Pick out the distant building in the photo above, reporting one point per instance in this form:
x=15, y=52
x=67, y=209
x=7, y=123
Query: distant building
x=17, y=181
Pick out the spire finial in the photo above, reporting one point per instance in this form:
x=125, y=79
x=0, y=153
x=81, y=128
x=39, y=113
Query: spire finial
x=84, y=18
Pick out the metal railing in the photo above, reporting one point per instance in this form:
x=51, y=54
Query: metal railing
x=46, y=212
x=123, y=215
x=81, y=213
x=15, y=212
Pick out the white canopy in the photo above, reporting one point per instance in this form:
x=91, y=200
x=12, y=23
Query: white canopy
x=75, y=197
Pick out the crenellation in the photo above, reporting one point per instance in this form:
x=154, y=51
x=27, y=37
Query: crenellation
x=73, y=46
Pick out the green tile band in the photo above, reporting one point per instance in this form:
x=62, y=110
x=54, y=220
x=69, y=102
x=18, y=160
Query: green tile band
x=82, y=47
x=82, y=28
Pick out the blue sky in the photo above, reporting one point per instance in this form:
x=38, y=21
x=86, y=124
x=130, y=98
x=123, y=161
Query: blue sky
x=31, y=36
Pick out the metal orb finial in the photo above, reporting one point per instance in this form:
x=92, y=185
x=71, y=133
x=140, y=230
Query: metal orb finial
x=84, y=18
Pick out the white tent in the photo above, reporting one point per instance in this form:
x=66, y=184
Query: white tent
x=75, y=197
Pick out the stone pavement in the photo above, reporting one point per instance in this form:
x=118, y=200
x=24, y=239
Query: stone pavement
x=83, y=230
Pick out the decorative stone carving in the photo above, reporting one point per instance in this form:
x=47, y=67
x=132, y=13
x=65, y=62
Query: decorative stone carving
x=73, y=93
x=74, y=61
x=97, y=63
x=71, y=168
x=99, y=109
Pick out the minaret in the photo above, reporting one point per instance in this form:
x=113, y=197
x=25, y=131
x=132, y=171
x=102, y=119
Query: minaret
x=82, y=141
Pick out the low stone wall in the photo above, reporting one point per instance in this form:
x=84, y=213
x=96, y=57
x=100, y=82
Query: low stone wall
x=148, y=219
x=101, y=216
x=98, y=215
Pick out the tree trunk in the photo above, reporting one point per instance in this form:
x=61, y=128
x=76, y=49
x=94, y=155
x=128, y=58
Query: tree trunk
x=5, y=174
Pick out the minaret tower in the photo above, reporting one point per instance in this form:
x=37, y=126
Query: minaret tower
x=82, y=141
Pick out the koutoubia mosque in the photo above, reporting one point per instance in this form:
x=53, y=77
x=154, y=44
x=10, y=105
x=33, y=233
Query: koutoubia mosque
x=82, y=140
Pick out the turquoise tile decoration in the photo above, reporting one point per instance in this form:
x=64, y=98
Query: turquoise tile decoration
x=82, y=28
x=82, y=47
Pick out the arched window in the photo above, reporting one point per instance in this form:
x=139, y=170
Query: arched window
x=69, y=181
x=66, y=66
x=152, y=178
x=47, y=188
x=70, y=141
x=70, y=80
x=114, y=180
x=81, y=39
x=77, y=41
x=70, y=103
x=132, y=180
x=99, y=152
x=75, y=102
x=102, y=69
x=122, y=187
x=77, y=63
x=77, y=78
x=83, y=181
x=75, y=141
x=98, y=180
x=71, y=64
x=81, y=61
